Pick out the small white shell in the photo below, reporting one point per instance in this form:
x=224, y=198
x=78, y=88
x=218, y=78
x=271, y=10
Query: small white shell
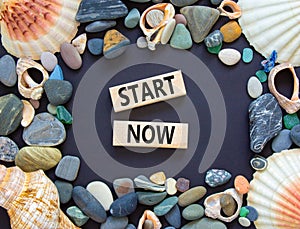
x=28, y=113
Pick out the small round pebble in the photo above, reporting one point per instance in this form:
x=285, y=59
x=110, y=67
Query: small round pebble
x=51, y=109
x=95, y=46
x=247, y=55
x=182, y=184
x=241, y=184
x=193, y=212
x=70, y=56
x=171, y=186
x=254, y=87
x=290, y=120
x=229, y=56
x=180, y=19
x=244, y=222
x=64, y=191
x=261, y=75
x=141, y=43
x=228, y=205
x=49, y=61
x=253, y=214
x=244, y=212
x=259, y=163
x=158, y=178
x=282, y=141
x=35, y=103
x=148, y=224
x=132, y=18
x=295, y=134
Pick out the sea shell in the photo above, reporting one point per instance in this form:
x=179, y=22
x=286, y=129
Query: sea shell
x=30, y=27
x=28, y=113
x=290, y=105
x=31, y=200
x=150, y=216
x=273, y=25
x=153, y=34
x=26, y=85
x=274, y=192
x=235, y=8
x=213, y=206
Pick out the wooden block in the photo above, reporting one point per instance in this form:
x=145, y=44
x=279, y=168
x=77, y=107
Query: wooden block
x=150, y=134
x=147, y=91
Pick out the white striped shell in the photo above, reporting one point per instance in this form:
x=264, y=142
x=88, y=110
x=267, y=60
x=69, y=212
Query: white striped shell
x=275, y=192
x=273, y=25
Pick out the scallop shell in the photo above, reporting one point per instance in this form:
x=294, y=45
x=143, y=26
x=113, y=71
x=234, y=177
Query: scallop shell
x=273, y=25
x=274, y=192
x=30, y=27
x=31, y=200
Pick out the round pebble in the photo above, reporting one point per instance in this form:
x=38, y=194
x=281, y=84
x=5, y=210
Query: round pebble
x=262, y=76
x=290, y=120
x=49, y=61
x=295, y=134
x=243, y=221
x=247, y=55
x=254, y=87
x=141, y=43
x=182, y=184
x=228, y=205
x=64, y=190
x=253, y=214
x=282, y=141
x=70, y=56
x=241, y=184
x=180, y=19
x=158, y=178
x=124, y=205
x=259, y=163
x=51, y=109
x=132, y=18
x=35, y=103
x=102, y=193
x=193, y=212
x=95, y=46
x=244, y=212
x=192, y=195
x=229, y=56
x=68, y=168
x=171, y=186
x=154, y=17
x=8, y=75
x=231, y=31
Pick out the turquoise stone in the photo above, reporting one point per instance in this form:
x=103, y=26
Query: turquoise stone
x=77, y=216
x=290, y=120
x=215, y=50
x=95, y=46
x=57, y=73
x=165, y=206
x=132, y=19
x=244, y=212
x=247, y=56
x=181, y=38
x=261, y=75
x=181, y=3
x=63, y=115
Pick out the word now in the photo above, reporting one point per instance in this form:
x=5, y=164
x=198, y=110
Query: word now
x=150, y=134
x=147, y=91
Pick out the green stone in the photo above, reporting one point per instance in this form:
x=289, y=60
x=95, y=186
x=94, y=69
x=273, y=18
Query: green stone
x=165, y=206
x=291, y=120
x=193, y=212
x=63, y=115
x=244, y=212
x=261, y=75
x=77, y=216
x=132, y=19
x=151, y=198
x=215, y=50
x=247, y=56
x=181, y=38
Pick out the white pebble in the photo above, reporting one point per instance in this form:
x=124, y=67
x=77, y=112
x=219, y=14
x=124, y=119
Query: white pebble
x=244, y=222
x=51, y=109
x=167, y=32
x=171, y=186
x=141, y=42
x=229, y=56
x=254, y=87
x=49, y=61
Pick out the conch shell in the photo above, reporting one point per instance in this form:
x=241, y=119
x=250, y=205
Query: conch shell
x=213, y=206
x=150, y=216
x=26, y=85
x=290, y=105
x=30, y=27
x=153, y=35
x=31, y=200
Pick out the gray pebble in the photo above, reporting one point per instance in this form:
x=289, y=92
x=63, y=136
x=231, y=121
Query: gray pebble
x=70, y=56
x=58, y=92
x=193, y=212
x=124, y=205
x=130, y=226
x=95, y=46
x=49, y=61
x=174, y=217
x=115, y=223
x=8, y=75
x=68, y=168
x=282, y=141
x=295, y=134
x=77, y=216
x=64, y=190
x=216, y=2
x=141, y=42
x=151, y=198
x=99, y=26
x=8, y=149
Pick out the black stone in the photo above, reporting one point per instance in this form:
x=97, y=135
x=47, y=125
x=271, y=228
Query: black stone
x=124, y=206
x=265, y=121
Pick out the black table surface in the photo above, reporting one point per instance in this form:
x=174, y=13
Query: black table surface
x=235, y=153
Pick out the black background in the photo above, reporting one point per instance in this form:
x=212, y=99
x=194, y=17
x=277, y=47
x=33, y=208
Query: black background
x=235, y=153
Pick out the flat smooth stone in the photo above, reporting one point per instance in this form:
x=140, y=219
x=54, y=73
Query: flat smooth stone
x=70, y=56
x=141, y=43
x=143, y=182
x=150, y=198
x=217, y=177
x=205, y=223
x=180, y=19
x=181, y=3
x=262, y=76
x=132, y=19
x=171, y=186
x=130, y=226
x=51, y=109
x=115, y=223
x=8, y=149
x=11, y=109
x=95, y=46
x=89, y=204
x=168, y=31
x=115, y=44
x=101, y=192
x=181, y=38
x=80, y=43
x=213, y=39
x=124, y=205
x=94, y=10
x=229, y=56
x=33, y=158
x=154, y=17
x=63, y=115
x=259, y=163
x=64, y=190
x=57, y=73
x=123, y=186
x=182, y=184
x=158, y=178
x=192, y=195
x=193, y=212
x=295, y=134
x=228, y=205
x=174, y=217
x=99, y=26
x=291, y=120
x=165, y=206
x=68, y=168
x=247, y=55
x=77, y=216
x=45, y=130
x=49, y=61
x=58, y=92
x=8, y=75
x=254, y=87
x=282, y=141
x=253, y=214
x=243, y=221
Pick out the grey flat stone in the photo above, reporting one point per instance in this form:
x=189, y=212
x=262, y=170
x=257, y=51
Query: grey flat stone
x=68, y=168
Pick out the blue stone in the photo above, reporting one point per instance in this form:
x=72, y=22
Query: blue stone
x=94, y=10
x=64, y=190
x=95, y=46
x=247, y=56
x=130, y=226
x=295, y=134
x=99, y=26
x=165, y=206
x=253, y=214
x=169, y=228
x=8, y=75
x=214, y=39
x=57, y=73
x=124, y=205
x=181, y=38
x=216, y=2
x=282, y=141
x=174, y=217
x=217, y=177
x=115, y=223
x=89, y=204
x=132, y=19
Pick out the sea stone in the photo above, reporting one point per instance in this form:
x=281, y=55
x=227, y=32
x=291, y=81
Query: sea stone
x=115, y=223
x=261, y=75
x=228, y=205
x=216, y=2
x=141, y=42
x=95, y=46
x=174, y=217
x=200, y=20
x=205, y=223
x=8, y=149
x=132, y=19
x=247, y=56
x=181, y=38
x=88, y=204
x=265, y=117
x=229, y=56
x=70, y=56
x=101, y=192
x=158, y=178
x=192, y=195
x=213, y=39
x=57, y=73
x=253, y=214
x=154, y=17
x=148, y=224
x=8, y=75
x=290, y=120
x=231, y=31
x=11, y=108
x=217, y=177
x=33, y=158
x=151, y=198
x=241, y=184
x=168, y=31
x=181, y=3
x=77, y=216
x=254, y=87
x=35, y=103
x=182, y=184
x=244, y=212
x=215, y=50
x=165, y=206
x=49, y=61
x=259, y=163
x=64, y=190
x=99, y=26
x=45, y=130
x=93, y=10
x=123, y=186
x=130, y=226
x=282, y=141
x=58, y=92
x=180, y=19
x=171, y=186
x=63, y=115
x=115, y=44
x=243, y=221
x=51, y=109
x=80, y=43
x=143, y=182
x=68, y=168
x=295, y=134
x=124, y=205
x=193, y=212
